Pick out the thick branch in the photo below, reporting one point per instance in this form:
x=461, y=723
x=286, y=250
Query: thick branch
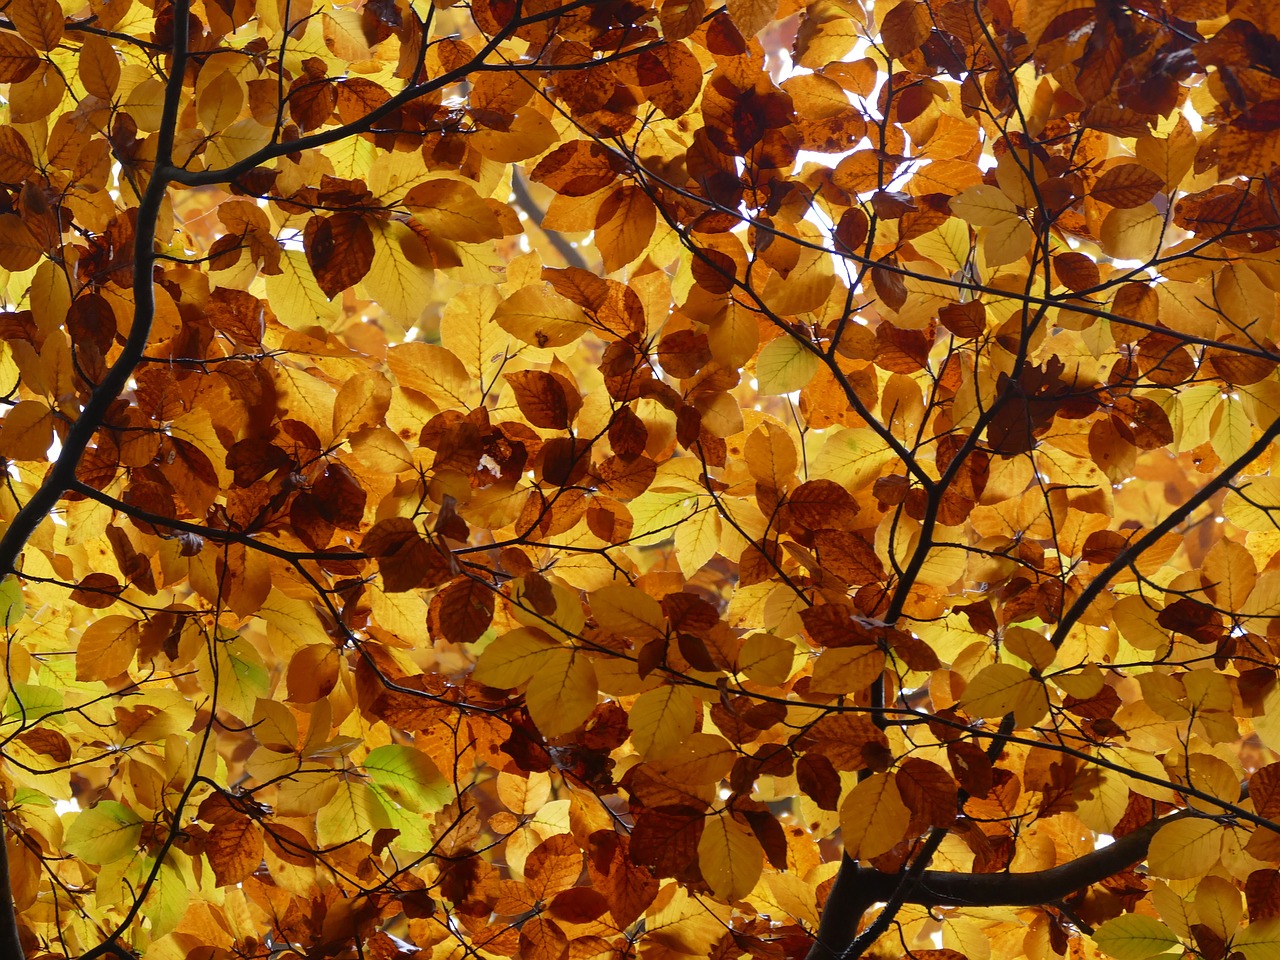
x=858, y=888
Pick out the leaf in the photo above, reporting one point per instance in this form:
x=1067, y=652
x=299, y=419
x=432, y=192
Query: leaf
x=928, y=790
x=545, y=399
x=750, y=17
x=513, y=658
x=453, y=210
x=462, y=611
x=399, y=277
x=1004, y=688
x=628, y=612
x=553, y=866
x=873, y=817
x=767, y=659
x=12, y=605
x=847, y=670
x=1260, y=940
x=660, y=720
x=1185, y=848
x=409, y=777
x=433, y=372
x=562, y=692
x=339, y=251
x=770, y=455
x=984, y=206
x=106, y=832
x=234, y=849
x=39, y=22
x=697, y=541
x=1126, y=185
x=18, y=60
x=1132, y=233
x=106, y=648
x=541, y=318
x=26, y=432
x=785, y=365
x=730, y=858
x=1134, y=937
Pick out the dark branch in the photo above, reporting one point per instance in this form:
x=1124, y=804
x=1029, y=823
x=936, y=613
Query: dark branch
x=858, y=888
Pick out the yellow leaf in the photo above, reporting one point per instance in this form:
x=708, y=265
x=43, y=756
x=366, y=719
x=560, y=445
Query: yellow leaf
x=1260, y=940
x=702, y=758
x=805, y=287
x=467, y=331
x=1004, y=688
x=400, y=277
x=453, y=209
x=220, y=102
x=661, y=720
x=1185, y=849
x=237, y=142
x=296, y=298
x=1134, y=936
x=847, y=670
x=1218, y=905
x=852, y=458
x=984, y=206
x=697, y=540
x=562, y=692
x=770, y=454
x=730, y=857
x=873, y=817
x=1233, y=432
x=767, y=659
x=1132, y=233
x=785, y=365
x=627, y=611
x=734, y=337
x=433, y=372
x=1006, y=242
x=540, y=317
x=26, y=432
x=514, y=657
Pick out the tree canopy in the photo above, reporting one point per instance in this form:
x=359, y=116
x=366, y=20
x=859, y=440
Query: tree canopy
x=573, y=479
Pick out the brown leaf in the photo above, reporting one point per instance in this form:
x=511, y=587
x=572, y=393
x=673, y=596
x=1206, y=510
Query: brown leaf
x=904, y=28
x=339, y=250
x=313, y=672
x=818, y=778
x=546, y=400
x=234, y=848
x=462, y=611
x=1077, y=271
x=1126, y=185
x=929, y=791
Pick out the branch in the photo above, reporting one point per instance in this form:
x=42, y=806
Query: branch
x=858, y=888
x=59, y=479
x=524, y=200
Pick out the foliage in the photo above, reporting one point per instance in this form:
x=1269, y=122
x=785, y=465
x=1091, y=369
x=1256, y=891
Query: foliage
x=541, y=478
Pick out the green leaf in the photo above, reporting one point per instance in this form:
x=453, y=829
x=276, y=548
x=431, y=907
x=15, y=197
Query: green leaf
x=784, y=366
x=1260, y=940
x=1134, y=937
x=104, y=833
x=12, y=607
x=409, y=778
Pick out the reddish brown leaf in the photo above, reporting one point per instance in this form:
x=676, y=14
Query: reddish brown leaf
x=234, y=848
x=339, y=249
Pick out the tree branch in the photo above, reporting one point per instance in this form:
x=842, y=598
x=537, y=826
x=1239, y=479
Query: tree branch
x=524, y=200
x=858, y=888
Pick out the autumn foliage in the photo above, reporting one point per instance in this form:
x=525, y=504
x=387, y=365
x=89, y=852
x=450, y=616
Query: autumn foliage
x=573, y=479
